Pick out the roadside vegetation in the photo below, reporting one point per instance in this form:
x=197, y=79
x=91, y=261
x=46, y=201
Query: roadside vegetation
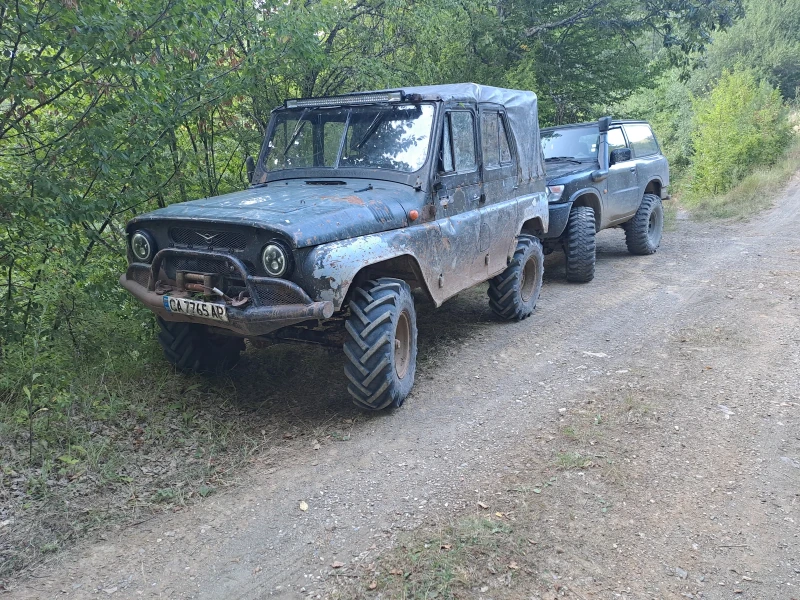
x=108, y=110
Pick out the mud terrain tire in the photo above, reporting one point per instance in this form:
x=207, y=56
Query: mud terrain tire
x=643, y=231
x=513, y=293
x=381, y=346
x=579, y=245
x=191, y=347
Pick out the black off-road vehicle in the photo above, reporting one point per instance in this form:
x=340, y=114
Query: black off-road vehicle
x=354, y=202
x=600, y=175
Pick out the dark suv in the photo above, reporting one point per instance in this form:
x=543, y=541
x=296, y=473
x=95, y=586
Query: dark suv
x=354, y=202
x=600, y=175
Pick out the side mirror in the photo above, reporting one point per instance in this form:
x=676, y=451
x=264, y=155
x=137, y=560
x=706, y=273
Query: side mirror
x=620, y=155
x=250, y=166
x=603, y=124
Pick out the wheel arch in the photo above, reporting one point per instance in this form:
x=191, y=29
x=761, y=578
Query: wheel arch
x=534, y=227
x=654, y=187
x=405, y=267
x=589, y=197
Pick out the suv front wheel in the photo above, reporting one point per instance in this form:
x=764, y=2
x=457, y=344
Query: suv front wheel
x=513, y=293
x=643, y=231
x=381, y=346
x=579, y=245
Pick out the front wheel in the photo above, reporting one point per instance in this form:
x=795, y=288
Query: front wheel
x=643, y=231
x=192, y=347
x=381, y=346
x=513, y=293
x=579, y=245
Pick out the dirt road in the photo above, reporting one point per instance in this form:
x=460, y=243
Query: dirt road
x=660, y=406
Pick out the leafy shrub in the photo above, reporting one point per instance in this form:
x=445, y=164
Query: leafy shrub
x=668, y=108
x=740, y=125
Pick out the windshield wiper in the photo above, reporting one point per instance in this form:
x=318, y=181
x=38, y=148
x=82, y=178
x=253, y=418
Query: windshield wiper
x=371, y=129
x=566, y=158
x=297, y=129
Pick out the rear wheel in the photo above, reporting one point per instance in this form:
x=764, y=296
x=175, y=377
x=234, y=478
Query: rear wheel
x=192, y=347
x=513, y=293
x=643, y=231
x=381, y=346
x=579, y=244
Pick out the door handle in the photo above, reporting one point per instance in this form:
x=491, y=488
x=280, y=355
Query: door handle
x=633, y=169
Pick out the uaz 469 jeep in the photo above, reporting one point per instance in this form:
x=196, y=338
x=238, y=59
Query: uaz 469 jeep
x=354, y=202
x=599, y=175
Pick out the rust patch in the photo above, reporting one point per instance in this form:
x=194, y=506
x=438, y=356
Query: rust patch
x=352, y=199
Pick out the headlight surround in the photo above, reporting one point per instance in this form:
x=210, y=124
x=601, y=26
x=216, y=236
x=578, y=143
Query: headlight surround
x=554, y=192
x=276, y=259
x=143, y=246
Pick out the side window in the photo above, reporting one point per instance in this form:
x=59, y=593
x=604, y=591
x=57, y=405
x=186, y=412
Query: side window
x=490, y=139
x=505, y=146
x=447, y=165
x=615, y=139
x=643, y=142
x=494, y=140
x=463, y=131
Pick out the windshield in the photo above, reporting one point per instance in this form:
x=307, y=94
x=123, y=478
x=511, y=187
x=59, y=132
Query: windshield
x=578, y=143
x=375, y=137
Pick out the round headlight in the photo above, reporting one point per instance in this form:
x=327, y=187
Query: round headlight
x=143, y=246
x=275, y=260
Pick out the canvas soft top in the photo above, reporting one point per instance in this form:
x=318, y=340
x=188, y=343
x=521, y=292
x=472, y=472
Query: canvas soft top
x=521, y=111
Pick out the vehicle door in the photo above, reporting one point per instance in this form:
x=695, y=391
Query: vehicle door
x=499, y=218
x=458, y=198
x=646, y=153
x=623, y=197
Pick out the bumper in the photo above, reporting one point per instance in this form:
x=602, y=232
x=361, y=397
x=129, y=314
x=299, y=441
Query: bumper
x=559, y=215
x=273, y=304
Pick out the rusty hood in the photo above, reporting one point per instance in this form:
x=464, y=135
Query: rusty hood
x=305, y=213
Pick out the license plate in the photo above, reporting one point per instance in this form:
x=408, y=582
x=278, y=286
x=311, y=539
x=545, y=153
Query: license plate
x=196, y=308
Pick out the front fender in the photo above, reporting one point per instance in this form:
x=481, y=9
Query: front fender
x=327, y=271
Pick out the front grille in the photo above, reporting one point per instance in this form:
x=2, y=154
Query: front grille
x=196, y=265
x=233, y=240
x=279, y=292
x=139, y=275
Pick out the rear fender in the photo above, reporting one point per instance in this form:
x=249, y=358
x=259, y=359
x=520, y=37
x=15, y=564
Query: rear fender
x=534, y=214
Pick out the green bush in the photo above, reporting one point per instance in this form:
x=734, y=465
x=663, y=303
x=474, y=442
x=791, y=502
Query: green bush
x=668, y=108
x=739, y=126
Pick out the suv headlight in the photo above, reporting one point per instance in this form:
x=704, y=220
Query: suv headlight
x=143, y=246
x=276, y=259
x=554, y=192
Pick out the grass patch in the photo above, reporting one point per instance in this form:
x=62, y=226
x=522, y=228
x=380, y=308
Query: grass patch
x=449, y=564
x=670, y=214
x=95, y=441
x=573, y=460
x=753, y=194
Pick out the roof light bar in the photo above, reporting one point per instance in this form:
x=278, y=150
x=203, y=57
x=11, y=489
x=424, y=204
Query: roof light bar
x=351, y=99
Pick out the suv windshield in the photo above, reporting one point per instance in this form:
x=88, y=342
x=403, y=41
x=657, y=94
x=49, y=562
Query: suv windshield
x=392, y=137
x=579, y=143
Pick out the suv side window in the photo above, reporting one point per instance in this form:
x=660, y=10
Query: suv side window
x=505, y=146
x=615, y=139
x=462, y=126
x=490, y=140
x=458, y=143
x=494, y=140
x=643, y=142
x=446, y=165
